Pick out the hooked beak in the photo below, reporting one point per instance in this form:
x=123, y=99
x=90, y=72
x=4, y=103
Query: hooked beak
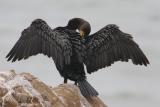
x=81, y=33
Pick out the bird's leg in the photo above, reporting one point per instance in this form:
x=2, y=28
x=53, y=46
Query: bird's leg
x=75, y=83
x=65, y=80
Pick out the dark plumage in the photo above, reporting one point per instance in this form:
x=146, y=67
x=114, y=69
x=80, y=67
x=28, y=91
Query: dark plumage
x=70, y=50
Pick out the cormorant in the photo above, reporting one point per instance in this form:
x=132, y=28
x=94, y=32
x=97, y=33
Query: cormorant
x=71, y=50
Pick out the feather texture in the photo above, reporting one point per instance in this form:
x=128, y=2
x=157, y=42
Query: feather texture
x=109, y=45
x=40, y=38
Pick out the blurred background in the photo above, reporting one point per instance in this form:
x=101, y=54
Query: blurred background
x=122, y=84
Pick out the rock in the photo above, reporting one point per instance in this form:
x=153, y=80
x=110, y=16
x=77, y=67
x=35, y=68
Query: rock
x=25, y=90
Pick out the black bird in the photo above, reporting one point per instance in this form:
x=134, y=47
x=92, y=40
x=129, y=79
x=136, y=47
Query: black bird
x=71, y=50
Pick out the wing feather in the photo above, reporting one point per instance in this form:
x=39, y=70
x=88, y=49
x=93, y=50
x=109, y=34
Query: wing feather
x=39, y=38
x=109, y=45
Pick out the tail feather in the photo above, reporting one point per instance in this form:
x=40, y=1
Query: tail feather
x=86, y=89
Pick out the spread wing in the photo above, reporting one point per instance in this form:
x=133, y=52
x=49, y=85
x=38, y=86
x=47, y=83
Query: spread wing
x=40, y=38
x=109, y=45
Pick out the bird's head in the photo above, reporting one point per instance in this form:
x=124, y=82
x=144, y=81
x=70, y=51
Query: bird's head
x=82, y=25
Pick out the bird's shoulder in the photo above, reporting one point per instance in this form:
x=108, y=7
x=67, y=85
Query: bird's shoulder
x=67, y=32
